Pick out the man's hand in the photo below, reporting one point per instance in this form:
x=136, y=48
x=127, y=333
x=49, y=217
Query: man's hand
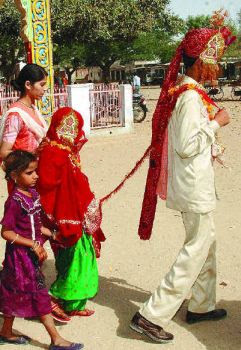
x=222, y=117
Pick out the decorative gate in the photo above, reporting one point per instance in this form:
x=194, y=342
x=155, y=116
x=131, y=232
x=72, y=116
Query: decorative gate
x=36, y=34
x=8, y=96
x=105, y=106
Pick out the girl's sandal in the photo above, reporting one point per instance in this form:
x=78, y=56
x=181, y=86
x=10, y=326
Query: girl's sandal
x=81, y=313
x=18, y=340
x=58, y=314
x=73, y=346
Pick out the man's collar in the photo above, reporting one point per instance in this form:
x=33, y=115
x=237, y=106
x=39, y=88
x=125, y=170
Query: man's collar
x=188, y=80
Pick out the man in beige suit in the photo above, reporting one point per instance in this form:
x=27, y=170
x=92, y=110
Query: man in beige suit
x=190, y=188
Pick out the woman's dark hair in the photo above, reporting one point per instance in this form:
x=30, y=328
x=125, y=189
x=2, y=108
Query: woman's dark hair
x=188, y=61
x=17, y=161
x=30, y=72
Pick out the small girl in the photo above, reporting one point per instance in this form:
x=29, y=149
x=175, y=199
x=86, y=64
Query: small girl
x=69, y=202
x=22, y=287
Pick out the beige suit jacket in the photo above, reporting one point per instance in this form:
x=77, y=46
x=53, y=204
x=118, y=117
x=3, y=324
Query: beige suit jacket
x=190, y=171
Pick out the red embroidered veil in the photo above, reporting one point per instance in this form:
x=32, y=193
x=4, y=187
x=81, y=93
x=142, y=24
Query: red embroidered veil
x=64, y=190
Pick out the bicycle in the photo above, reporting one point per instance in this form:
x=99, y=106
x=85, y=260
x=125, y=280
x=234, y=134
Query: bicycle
x=236, y=93
x=215, y=92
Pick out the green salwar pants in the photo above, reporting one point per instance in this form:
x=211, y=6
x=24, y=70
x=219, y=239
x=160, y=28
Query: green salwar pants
x=77, y=274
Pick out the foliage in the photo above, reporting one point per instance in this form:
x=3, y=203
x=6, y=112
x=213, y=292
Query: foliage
x=11, y=44
x=234, y=50
x=111, y=30
x=108, y=20
x=154, y=45
x=200, y=21
x=70, y=56
x=96, y=32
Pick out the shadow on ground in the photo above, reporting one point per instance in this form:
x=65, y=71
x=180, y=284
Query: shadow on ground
x=125, y=299
x=34, y=343
x=216, y=335
x=122, y=297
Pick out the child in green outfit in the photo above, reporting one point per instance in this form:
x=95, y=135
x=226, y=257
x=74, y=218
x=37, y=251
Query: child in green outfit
x=68, y=201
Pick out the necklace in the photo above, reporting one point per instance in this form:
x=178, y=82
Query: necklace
x=26, y=104
x=208, y=103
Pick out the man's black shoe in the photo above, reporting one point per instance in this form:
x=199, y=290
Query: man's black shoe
x=215, y=315
x=141, y=325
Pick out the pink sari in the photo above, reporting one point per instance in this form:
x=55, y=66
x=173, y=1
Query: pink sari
x=24, y=128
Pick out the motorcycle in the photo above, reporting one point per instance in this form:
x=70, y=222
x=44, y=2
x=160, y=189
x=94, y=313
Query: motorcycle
x=139, y=107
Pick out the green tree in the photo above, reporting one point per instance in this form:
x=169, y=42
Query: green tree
x=93, y=20
x=234, y=50
x=200, y=21
x=70, y=56
x=11, y=44
x=158, y=44
x=111, y=30
x=153, y=45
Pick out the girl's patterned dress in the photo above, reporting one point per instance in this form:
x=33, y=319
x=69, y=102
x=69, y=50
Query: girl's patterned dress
x=22, y=287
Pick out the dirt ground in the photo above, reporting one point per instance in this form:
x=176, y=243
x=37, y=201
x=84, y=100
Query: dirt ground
x=130, y=269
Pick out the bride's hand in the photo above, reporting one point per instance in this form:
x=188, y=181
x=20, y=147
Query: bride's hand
x=44, y=143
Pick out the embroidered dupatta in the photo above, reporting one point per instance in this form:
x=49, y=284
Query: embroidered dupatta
x=64, y=189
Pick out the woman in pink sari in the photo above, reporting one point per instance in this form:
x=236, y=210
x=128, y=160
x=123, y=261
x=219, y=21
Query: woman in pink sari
x=23, y=127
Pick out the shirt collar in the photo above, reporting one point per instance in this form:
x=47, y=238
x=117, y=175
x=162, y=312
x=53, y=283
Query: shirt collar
x=188, y=80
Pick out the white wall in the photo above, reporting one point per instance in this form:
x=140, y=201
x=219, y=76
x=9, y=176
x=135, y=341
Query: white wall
x=79, y=99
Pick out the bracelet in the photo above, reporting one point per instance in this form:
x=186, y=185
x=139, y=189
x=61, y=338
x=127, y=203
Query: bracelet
x=35, y=246
x=16, y=237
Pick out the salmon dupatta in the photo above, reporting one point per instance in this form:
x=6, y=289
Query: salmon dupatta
x=38, y=130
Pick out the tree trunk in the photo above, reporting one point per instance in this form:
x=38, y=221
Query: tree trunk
x=106, y=73
x=8, y=65
x=7, y=70
x=69, y=73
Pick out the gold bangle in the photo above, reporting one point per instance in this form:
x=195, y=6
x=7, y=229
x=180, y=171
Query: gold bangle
x=16, y=237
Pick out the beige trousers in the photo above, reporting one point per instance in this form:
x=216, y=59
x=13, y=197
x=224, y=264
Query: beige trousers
x=194, y=270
